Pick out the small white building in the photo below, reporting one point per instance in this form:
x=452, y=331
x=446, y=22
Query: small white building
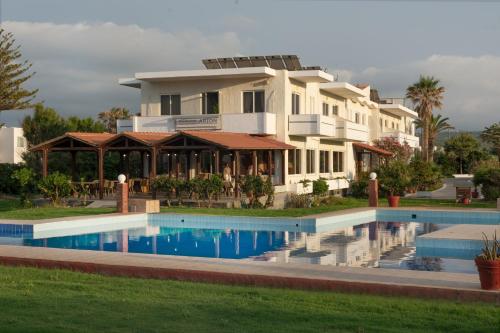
x=12, y=144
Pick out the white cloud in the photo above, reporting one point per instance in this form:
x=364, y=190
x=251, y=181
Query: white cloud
x=78, y=64
x=472, y=98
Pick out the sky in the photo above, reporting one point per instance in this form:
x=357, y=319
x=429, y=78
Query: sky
x=79, y=49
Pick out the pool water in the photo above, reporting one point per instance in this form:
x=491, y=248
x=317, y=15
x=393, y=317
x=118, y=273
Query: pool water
x=386, y=245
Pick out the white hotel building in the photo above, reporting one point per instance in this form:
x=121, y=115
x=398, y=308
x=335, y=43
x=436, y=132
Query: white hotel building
x=331, y=124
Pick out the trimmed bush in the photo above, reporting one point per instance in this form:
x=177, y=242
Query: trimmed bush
x=394, y=177
x=56, y=186
x=320, y=187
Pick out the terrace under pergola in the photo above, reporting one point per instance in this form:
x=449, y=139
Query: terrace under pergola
x=184, y=154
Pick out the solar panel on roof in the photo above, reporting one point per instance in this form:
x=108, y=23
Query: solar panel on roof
x=276, y=62
x=227, y=63
x=259, y=61
x=243, y=62
x=211, y=63
x=292, y=62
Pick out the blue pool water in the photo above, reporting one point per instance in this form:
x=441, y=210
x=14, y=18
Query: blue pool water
x=387, y=245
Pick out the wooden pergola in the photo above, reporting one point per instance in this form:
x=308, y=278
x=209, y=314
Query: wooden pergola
x=181, y=154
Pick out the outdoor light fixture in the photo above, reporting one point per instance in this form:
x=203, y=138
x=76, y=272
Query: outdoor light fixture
x=373, y=175
x=121, y=178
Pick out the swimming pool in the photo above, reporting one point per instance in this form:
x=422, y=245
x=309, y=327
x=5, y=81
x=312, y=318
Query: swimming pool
x=352, y=240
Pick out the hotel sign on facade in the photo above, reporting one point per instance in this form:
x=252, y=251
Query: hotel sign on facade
x=202, y=122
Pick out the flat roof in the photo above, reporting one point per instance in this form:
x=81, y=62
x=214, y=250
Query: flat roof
x=342, y=89
x=399, y=110
x=306, y=76
x=247, y=72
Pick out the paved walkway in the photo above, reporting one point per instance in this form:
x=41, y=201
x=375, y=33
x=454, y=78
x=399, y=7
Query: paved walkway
x=456, y=286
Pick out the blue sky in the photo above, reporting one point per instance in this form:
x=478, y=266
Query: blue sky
x=80, y=48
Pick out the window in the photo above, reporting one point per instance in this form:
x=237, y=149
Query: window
x=386, y=123
x=253, y=101
x=324, y=161
x=381, y=124
x=325, y=109
x=295, y=104
x=392, y=124
x=335, y=110
x=356, y=118
x=210, y=103
x=170, y=105
x=338, y=161
x=20, y=142
x=310, y=167
x=294, y=159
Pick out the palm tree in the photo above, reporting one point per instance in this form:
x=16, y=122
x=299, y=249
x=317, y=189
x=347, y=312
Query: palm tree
x=426, y=94
x=437, y=125
x=110, y=117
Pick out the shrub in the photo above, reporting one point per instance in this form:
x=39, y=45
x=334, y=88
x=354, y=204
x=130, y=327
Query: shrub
x=55, y=187
x=299, y=201
x=359, y=188
x=26, y=182
x=320, y=187
x=165, y=184
x=394, y=177
x=425, y=176
x=8, y=184
x=255, y=188
x=489, y=178
x=213, y=186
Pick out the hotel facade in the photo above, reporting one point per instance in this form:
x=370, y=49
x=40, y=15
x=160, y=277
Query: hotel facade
x=328, y=127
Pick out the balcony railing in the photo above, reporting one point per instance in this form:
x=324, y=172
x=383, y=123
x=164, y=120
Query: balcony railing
x=311, y=125
x=412, y=140
x=350, y=131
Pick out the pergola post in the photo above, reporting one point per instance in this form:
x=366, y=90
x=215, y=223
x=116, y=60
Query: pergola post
x=282, y=181
x=100, y=158
x=254, y=162
x=45, y=162
x=217, y=162
x=269, y=163
x=152, y=169
x=237, y=173
x=73, y=165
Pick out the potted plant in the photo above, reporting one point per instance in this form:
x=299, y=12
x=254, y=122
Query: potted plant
x=394, y=178
x=488, y=264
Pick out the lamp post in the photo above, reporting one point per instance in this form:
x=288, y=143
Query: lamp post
x=373, y=190
x=122, y=192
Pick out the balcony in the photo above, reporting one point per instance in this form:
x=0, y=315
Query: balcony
x=412, y=140
x=350, y=131
x=251, y=123
x=311, y=125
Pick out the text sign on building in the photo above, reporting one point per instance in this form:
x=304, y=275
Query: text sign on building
x=208, y=122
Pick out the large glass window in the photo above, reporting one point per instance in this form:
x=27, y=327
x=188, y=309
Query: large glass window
x=338, y=161
x=294, y=158
x=295, y=104
x=170, y=105
x=254, y=101
x=210, y=103
x=356, y=118
x=310, y=167
x=324, y=161
x=326, y=109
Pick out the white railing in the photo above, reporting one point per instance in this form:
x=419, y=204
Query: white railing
x=350, y=131
x=311, y=125
x=402, y=137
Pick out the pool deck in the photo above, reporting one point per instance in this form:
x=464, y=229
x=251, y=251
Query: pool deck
x=464, y=232
x=435, y=285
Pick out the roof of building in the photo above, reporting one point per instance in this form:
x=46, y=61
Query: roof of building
x=371, y=148
x=226, y=140
x=235, y=141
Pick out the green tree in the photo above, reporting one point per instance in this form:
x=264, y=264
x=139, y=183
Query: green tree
x=437, y=125
x=55, y=187
x=43, y=125
x=13, y=76
x=394, y=177
x=465, y=150
x=426, y=94
x=110, y=117
x=25, y=180
x=75, y=124
x=491, y=135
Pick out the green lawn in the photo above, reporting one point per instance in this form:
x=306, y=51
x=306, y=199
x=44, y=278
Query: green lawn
x=344, y=203
x=9, y=209
x=36, y=300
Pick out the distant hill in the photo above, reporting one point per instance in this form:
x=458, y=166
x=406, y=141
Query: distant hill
x=442, y=137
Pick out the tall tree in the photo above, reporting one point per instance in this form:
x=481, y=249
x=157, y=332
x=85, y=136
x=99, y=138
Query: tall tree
x=13, y=75
x=466, y=151
x=43, y=125
x=426, y=94
x=491, y=135
x=437, y=124
x=110, y=117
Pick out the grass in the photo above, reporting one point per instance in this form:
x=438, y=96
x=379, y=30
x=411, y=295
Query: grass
x=342, y=203
x=38, y=300
x=9, y=209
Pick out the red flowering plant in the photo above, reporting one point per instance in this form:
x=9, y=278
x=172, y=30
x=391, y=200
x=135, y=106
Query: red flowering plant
x=400, y=152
